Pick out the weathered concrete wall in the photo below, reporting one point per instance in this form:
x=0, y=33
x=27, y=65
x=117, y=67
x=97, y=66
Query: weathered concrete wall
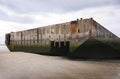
x=69, y=31
x=64, y=38
x=101, y=33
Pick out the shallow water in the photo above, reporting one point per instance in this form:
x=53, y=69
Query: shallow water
x=19, y=65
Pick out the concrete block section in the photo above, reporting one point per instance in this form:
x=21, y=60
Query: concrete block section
x=93, y=48
x=79, y=38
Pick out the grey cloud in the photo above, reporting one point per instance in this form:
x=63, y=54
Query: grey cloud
x=2, y=14
x=26, y=6
x=44, y=6
x=18, y=19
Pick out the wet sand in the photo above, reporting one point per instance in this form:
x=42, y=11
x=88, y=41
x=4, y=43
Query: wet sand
x=19, y=65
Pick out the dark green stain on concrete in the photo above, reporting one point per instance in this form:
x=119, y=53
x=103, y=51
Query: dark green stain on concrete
x=91, y=48
x=35, y=48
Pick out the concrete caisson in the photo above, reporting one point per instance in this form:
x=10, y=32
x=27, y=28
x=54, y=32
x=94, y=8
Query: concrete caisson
x=84, y=38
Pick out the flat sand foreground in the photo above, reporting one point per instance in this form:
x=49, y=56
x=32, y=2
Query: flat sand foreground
x=20, y=65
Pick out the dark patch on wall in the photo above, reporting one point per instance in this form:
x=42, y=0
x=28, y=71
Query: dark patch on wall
x=7, y=41
x=60, y=48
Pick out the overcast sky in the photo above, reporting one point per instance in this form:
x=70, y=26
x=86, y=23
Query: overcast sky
x=18, y=15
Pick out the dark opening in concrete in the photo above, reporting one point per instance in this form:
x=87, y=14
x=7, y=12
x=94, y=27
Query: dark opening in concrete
x=67, y=47
x=60, y=48
x=52, y=46
x=57, y=47
x=8, y=39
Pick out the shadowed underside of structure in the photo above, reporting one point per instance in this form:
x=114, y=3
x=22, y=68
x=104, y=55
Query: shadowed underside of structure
x=93, y=48
x=83, y=38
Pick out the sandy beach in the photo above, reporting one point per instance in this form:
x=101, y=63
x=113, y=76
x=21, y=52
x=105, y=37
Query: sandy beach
x=20, y=65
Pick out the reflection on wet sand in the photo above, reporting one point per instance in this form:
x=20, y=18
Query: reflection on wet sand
x=19, y=65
